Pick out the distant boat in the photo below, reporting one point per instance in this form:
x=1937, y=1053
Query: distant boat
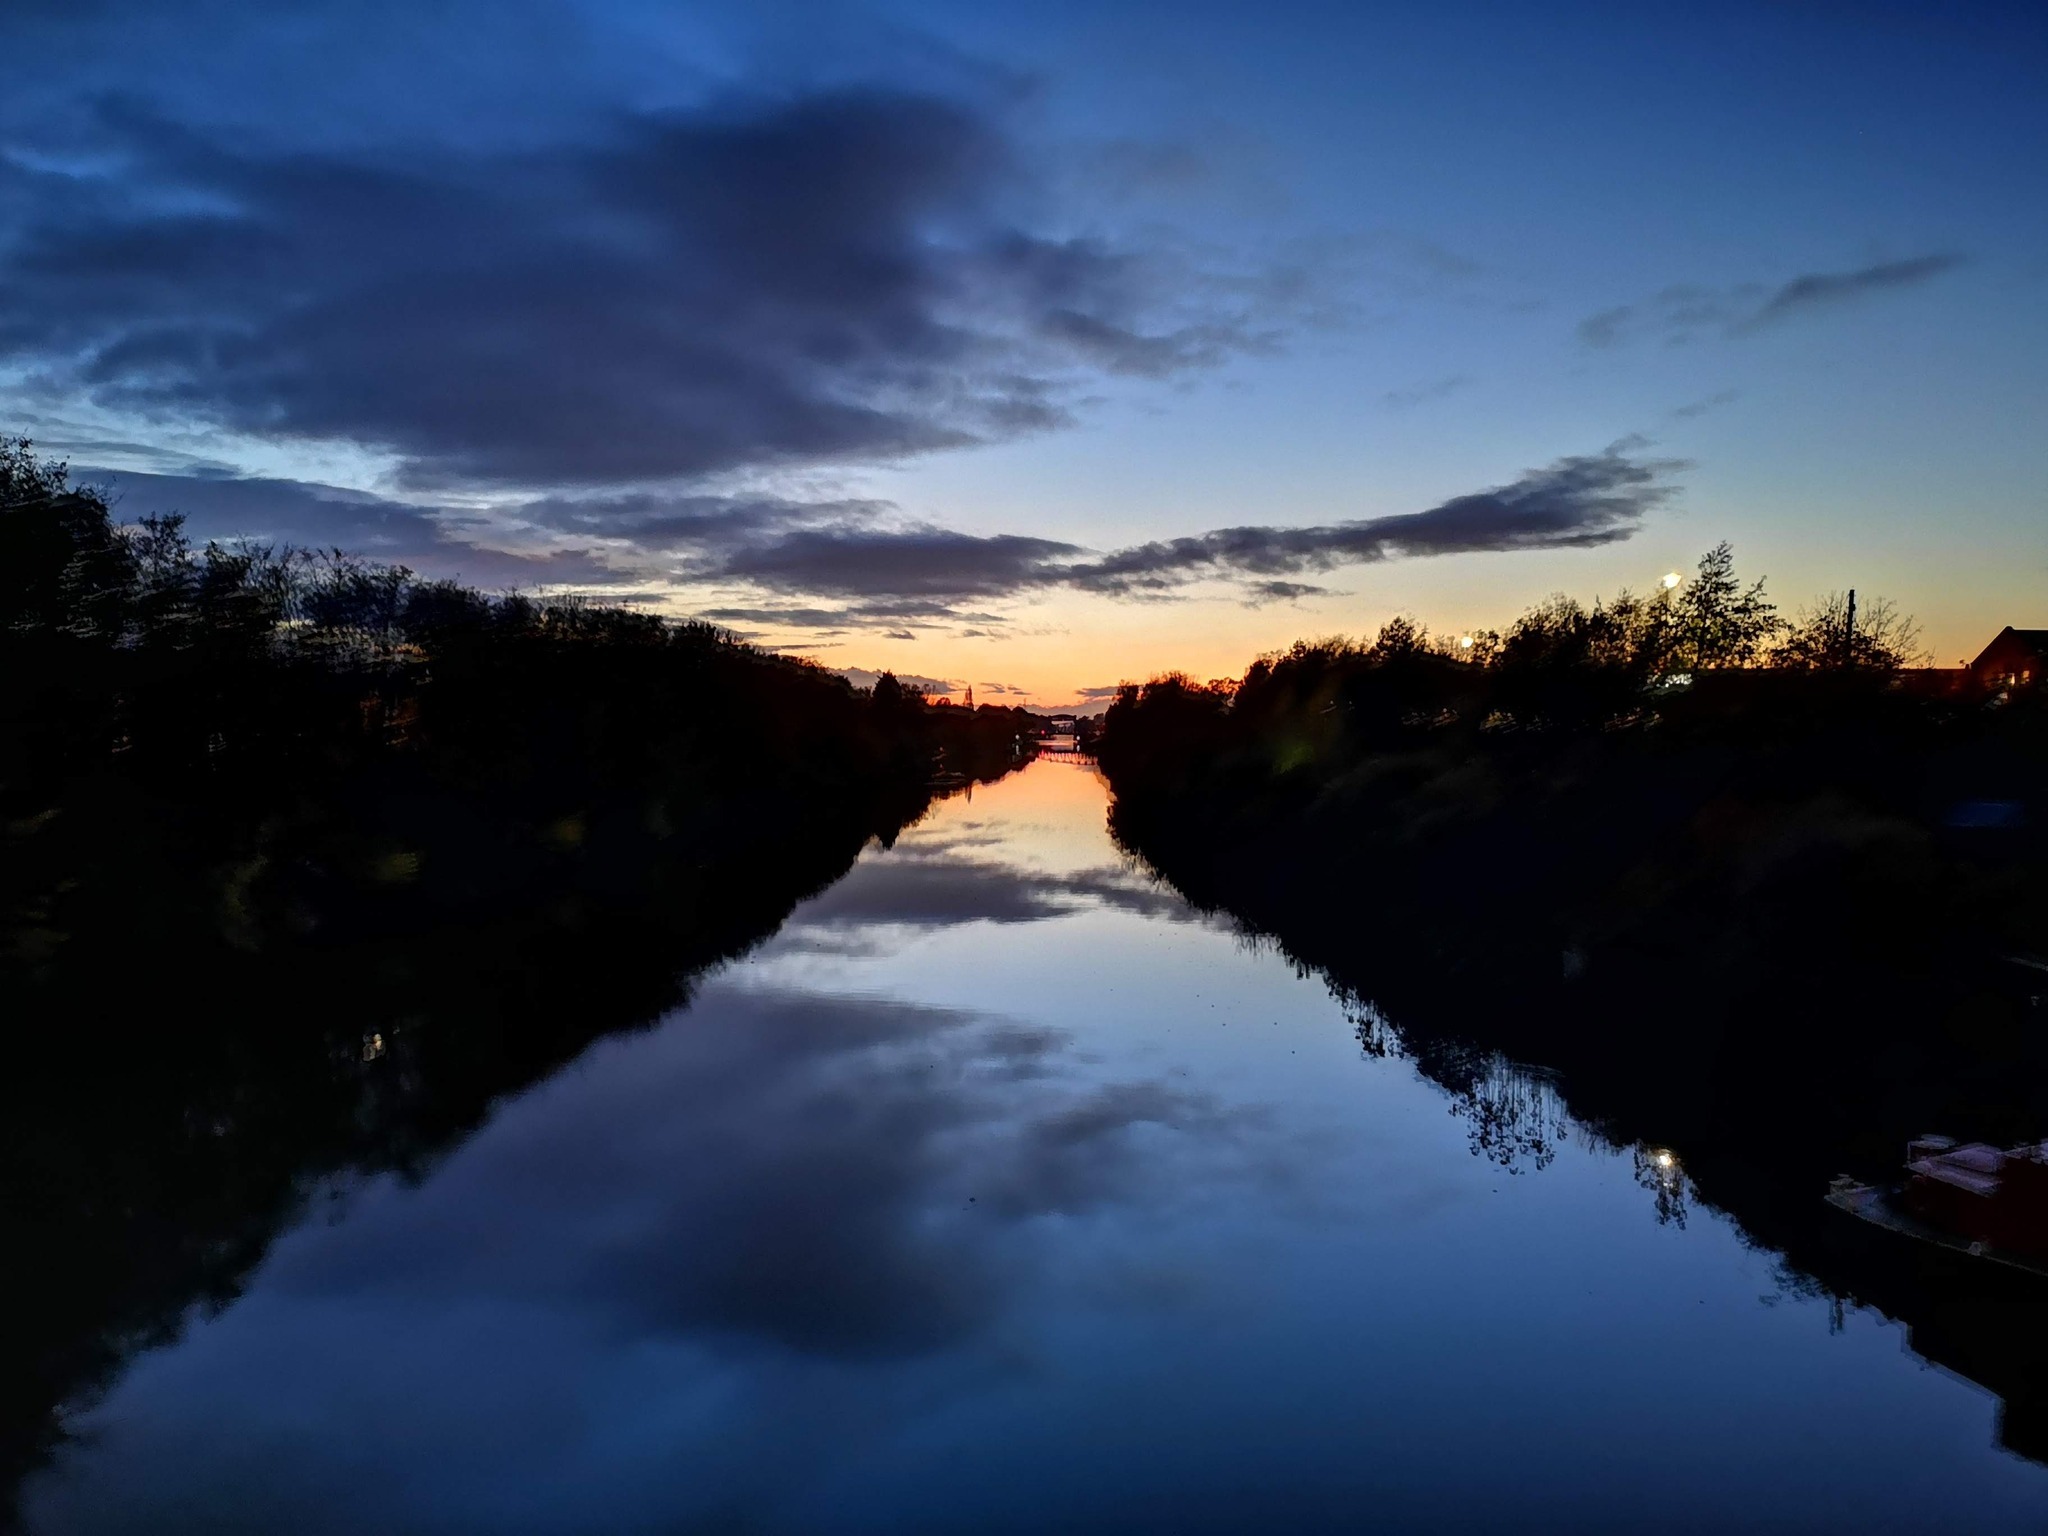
x=1975, y=1199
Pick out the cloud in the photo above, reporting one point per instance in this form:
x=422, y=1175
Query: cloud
x=932, y=885
x=1682, y=312
x=1694, y=409
x=816, y=278
x=796, y=618
x=817, y=1154
x=1418, y=394
x=780, y=1233
x=658, y=522
x=1281, y=591
x=908, y=614
x=934, y=893
x=1575, y=503
x=891, y=562
x=1815, y=290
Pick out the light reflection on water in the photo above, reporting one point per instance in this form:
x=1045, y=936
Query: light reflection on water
x=1000, y=1191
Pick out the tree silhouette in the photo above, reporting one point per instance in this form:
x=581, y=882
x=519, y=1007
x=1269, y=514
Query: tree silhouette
x=1836, y=634
x=1718, y=622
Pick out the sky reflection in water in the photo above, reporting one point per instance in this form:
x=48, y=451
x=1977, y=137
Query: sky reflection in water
x=1001, y=1192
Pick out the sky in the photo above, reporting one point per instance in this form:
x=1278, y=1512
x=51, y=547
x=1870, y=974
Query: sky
x=1040, y=347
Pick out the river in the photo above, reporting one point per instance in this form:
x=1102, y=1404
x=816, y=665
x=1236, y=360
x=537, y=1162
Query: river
x=1000, y=1191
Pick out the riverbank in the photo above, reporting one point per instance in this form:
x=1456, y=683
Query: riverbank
x=1750, y=929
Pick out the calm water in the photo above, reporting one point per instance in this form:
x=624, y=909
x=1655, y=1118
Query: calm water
x=1000, y=1191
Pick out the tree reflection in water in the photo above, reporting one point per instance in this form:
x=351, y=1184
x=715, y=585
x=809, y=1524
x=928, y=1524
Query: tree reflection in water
x=1658, y=1171
x=173, y=1108
x=1514, y=1112
x=1753, y=1111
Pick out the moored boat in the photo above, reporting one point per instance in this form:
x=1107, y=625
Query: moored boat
x=1974, y=1198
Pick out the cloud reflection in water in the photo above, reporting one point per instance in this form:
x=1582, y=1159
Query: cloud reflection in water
x=754, y=1239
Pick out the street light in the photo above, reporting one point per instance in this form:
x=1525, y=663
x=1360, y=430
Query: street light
x=1671, y=579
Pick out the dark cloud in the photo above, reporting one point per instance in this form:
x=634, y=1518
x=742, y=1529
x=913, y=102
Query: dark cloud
x=935, y=563
x=797, y=618
x=919, y=608
x=1078, y=1158
x=658, y=522
x=1281, y=591
x=1106, y=691
x=1682, y=312
x=1577, y=502
x=908, y=614
x=1814, y=290
x=1118, y=349
x=815, y=278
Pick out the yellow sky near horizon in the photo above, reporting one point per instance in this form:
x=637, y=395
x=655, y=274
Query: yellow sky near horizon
x=1064, y=643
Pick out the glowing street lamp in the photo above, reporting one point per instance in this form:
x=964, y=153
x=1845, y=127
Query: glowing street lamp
x=1671, y=579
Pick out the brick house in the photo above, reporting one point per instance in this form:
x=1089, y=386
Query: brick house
x=2017, y=658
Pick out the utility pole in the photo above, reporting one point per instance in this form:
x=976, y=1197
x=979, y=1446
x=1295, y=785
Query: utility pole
x=1849, y=634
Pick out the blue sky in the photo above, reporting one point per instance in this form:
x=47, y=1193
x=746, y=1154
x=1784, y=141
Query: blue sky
x=945, y=338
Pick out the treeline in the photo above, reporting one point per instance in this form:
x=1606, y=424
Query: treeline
x=1561, y=667
x=1590, y=765
x=128, y=644
x=311, y=725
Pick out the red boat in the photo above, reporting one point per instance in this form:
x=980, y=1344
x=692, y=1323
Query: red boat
x=1972, y=1197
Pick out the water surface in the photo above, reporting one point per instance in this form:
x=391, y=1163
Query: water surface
x=1002, y=1191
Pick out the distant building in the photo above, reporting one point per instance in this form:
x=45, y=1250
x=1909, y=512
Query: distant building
x=2017, y=658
